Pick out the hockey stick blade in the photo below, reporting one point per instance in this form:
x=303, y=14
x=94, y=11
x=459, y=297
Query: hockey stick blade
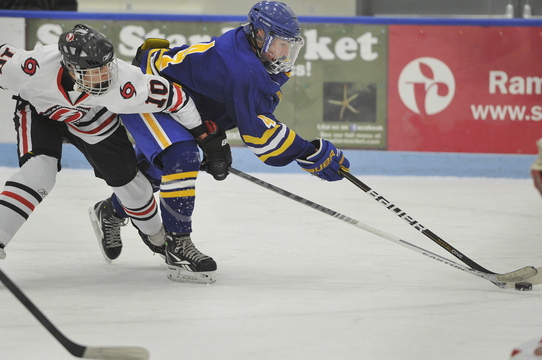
x=116, y=353
x=506, y=280
x=98, y=353
x=428, y=233
x=518, y=275
x=534, y=280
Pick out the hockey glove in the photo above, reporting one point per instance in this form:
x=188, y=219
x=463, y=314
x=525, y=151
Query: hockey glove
x=152, y=43
x=216, y=151
x=325, y=162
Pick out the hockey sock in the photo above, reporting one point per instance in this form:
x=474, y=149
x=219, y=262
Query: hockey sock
x=23, y=191
x=177, y=191
x=139, y=204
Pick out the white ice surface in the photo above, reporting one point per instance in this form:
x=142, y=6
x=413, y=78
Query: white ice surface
x=293, y=283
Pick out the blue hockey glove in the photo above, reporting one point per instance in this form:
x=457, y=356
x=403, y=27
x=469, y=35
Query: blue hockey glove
x=325, y=162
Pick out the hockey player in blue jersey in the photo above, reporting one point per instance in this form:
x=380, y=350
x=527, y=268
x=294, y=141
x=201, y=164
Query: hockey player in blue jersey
x=235, y=81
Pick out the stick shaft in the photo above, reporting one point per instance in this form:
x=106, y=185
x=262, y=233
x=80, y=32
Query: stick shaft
x=349, y=220
x=73, y=348
x=413, y=222
x=86, y=352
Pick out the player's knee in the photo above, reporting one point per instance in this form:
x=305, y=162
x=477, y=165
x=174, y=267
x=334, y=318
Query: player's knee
x=136, y=192
x=38, y=173
x=180, y=157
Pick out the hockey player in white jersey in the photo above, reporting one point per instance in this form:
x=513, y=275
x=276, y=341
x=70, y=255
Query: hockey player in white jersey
x=72, y=92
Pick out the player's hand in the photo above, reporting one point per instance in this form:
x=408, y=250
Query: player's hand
x=216, y=151
x=326, y=161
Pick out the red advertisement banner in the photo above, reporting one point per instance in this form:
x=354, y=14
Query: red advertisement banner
x=464, y=89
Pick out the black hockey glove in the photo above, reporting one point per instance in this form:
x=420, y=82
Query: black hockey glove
x=216, y=151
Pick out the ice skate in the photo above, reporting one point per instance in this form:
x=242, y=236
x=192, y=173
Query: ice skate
x=106, y=226
x=185, y=263
x=156, y=243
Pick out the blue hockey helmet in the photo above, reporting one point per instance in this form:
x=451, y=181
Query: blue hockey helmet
x=275, y=32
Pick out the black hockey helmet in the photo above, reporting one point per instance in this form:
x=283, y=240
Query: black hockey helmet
x=90, y=57
x=84, y=47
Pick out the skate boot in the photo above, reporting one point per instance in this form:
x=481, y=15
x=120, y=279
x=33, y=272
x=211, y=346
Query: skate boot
x=106, y=226
x=155, y=242
x=185, y=263
x=2, y=252
x=536, y=168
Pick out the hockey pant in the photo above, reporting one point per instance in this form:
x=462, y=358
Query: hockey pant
x=169, y=157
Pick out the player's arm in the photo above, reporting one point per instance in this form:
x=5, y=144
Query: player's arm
x=277, y=145
x=16, y=66
x=272, y=142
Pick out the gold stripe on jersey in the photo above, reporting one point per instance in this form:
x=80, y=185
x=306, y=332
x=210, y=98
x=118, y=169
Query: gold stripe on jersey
x=262, y=140
x=162, y=61
x=149, y=69
x=289, y=141
x=156, y=130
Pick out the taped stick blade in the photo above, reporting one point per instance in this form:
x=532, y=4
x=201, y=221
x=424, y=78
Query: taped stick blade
x=518, y=275
x=116, y=353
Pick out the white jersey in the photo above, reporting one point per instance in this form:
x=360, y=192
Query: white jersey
x=36, y=76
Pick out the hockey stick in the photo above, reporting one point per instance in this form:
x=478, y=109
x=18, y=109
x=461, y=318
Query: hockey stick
x=86, y=352
x=415, y=223
x=506, y=280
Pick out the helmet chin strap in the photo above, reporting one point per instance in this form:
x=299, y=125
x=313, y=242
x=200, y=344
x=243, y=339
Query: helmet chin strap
x=78, y=80
x=75, y=77
x=253, y=41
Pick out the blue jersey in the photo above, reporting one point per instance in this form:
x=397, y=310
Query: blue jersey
x=230, y=86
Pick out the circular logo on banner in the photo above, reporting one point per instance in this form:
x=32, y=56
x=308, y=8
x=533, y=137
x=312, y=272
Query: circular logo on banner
x=426, y=86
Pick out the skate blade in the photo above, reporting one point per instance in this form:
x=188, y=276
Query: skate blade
x=179, y=274
x=98, y=231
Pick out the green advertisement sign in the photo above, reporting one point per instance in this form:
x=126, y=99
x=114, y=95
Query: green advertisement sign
x=338, y=86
